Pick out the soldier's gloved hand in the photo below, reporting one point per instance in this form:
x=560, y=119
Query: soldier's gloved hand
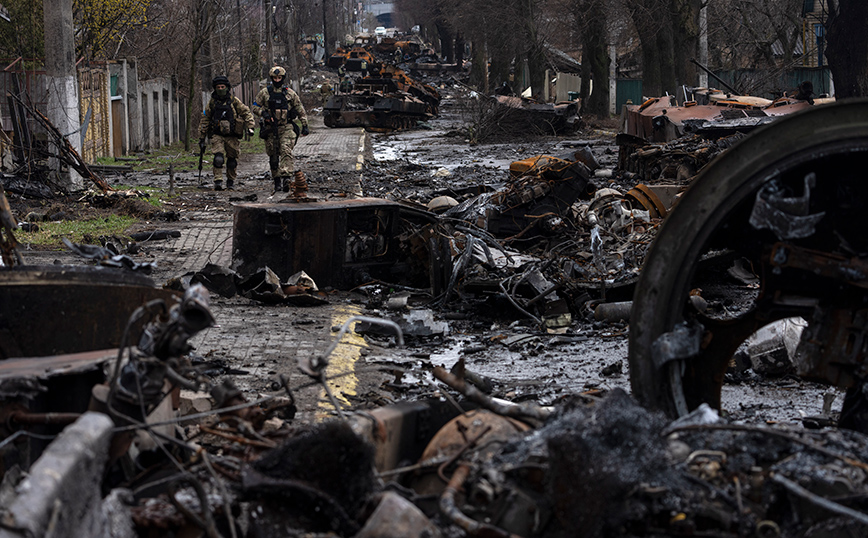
x=250, y=131
x=305, y=131
x=201, y=144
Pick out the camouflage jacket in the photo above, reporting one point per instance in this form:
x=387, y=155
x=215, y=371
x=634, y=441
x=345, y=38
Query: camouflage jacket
x=295, y=110
x=241, y=118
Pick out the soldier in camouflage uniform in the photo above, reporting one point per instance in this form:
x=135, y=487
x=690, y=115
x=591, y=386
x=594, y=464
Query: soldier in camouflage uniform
x=225, y=120
x=282, y=121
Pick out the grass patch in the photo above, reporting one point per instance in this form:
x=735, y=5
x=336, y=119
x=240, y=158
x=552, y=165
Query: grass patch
x=50, y=233
x=155, y=195
x=183, y=161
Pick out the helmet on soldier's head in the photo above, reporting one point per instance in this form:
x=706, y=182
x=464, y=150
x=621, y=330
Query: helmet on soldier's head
x=220, y=79
x=278, y=75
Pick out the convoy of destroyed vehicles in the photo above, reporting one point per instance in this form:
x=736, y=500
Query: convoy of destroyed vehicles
x=548, y=243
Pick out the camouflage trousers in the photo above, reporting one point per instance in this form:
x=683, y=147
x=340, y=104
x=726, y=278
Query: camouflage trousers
x=281, y=146
x=230, y=147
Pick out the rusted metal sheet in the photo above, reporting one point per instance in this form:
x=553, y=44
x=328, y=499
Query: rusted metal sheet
x=50, y=310
x=647, y=198
x=339, y=244
x=661, y=119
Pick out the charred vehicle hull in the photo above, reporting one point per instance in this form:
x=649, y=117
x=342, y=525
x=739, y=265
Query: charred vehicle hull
x=388, y=100
x=375, y=111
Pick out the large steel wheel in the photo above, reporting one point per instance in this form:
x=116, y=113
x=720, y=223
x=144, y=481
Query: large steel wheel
x=789, y=203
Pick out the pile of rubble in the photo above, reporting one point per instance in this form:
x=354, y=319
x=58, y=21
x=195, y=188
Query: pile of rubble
x=171, y=450
x=466, y=464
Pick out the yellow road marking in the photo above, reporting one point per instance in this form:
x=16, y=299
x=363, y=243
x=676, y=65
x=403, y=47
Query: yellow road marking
x=342, y=361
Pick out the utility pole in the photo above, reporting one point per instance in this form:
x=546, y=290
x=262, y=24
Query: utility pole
x=63, y=107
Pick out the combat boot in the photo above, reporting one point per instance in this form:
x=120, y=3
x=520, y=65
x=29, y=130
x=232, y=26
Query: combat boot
x=285, y=184
x=218, y=184
x=230, y=184
x=276, y=183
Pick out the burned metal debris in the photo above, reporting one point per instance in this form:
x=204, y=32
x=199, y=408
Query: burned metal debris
x=546, y=242
x=27, y=147
x=545, y=118
x=107, y=256
x=429, y=468
x=768, y=232
x=383, y=100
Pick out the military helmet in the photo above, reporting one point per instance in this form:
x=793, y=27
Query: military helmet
x=277, y=71
x=220, y=79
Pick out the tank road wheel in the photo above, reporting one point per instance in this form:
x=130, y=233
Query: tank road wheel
x=786, y=204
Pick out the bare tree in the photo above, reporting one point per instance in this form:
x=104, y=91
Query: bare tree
x=756, y=36
x=591, y=17
x=201, y=20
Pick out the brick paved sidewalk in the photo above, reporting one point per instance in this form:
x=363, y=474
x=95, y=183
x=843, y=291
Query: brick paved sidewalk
x=263, y=340
x=208, y=236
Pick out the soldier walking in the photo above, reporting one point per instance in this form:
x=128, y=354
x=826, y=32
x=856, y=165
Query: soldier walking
x=282, y=120
x=225, y=120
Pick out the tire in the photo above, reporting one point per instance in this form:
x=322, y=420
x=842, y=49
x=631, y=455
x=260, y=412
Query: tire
x=713, y=211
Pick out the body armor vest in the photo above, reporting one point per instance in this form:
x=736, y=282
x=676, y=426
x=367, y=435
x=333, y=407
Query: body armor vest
x=223, y=117
x=278, y=104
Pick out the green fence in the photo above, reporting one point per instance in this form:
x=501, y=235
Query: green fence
x=627, y=89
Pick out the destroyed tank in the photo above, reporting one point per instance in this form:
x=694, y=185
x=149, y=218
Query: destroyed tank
x=385, y=100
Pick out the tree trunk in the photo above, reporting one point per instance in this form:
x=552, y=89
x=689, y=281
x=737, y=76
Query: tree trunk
x=479, y=68
x=847, y=47
x=653, y=22
x=447, y=50
x=537, y=70
x=685, y=21
x=595, y=61
x=459, y=48
x=191, y=97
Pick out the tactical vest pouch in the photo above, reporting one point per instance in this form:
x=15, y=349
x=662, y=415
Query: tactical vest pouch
x=239, y=129
x=224, y=128
x=280, y=115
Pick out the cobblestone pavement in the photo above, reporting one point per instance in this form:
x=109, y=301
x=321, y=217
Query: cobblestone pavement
x=266, y=341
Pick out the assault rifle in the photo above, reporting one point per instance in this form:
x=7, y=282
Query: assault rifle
x=201, y=155
x=266, y=125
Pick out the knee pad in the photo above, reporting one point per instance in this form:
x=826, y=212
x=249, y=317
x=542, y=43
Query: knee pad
x=274, y=162
x=218, y=160
x=231, y=163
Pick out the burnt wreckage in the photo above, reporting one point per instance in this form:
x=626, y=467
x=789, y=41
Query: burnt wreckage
x=386, y=99
x=787, y=203
x=783, y=205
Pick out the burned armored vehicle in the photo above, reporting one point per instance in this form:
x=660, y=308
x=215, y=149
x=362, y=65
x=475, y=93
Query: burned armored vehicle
x=385, y=100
